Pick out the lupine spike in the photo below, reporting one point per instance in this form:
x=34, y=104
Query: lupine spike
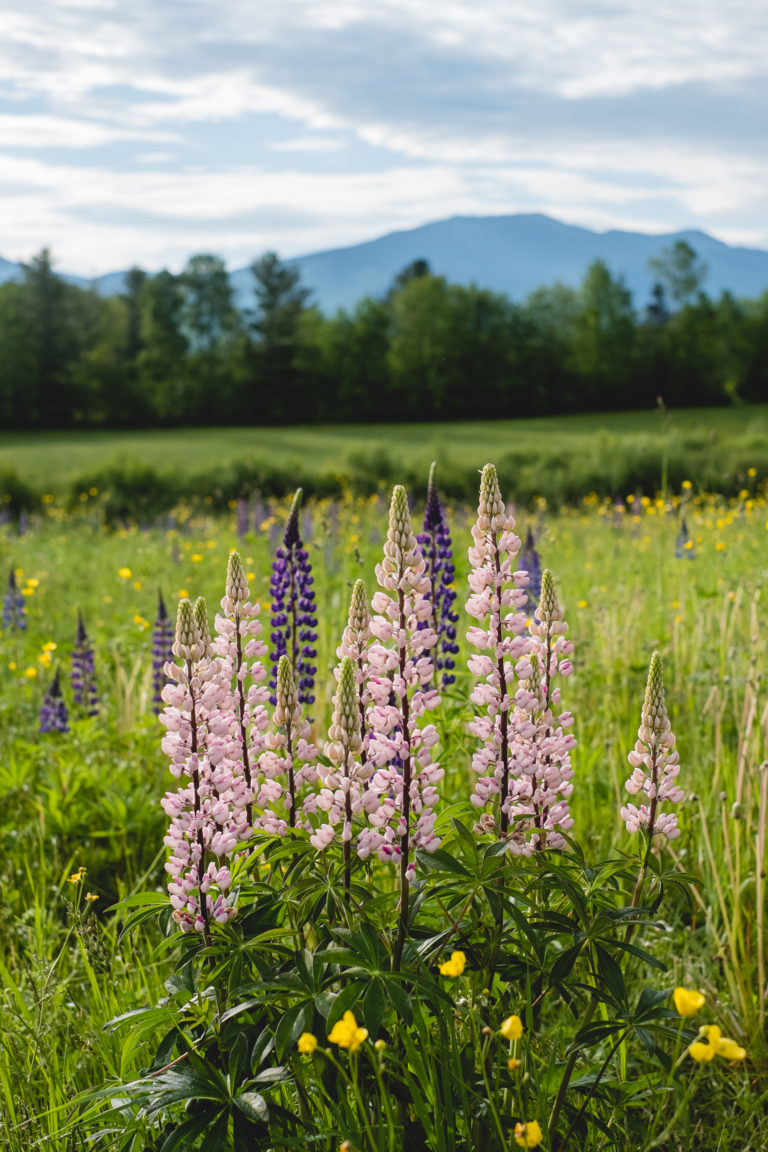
x=287, y=708
x=435, y=543
x=495, y=585
x=53, y=711
x=655, y=763
x=84, y=690
x=401, y=795
x=14, y=608
x=294, y=619
x=530, y=562
x=162, y=651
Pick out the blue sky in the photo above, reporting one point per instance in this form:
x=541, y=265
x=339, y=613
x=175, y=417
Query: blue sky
x=141, y=131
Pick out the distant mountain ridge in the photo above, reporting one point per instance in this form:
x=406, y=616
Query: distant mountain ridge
x=510, y=254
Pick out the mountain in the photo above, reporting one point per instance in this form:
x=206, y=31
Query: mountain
x=510, y=254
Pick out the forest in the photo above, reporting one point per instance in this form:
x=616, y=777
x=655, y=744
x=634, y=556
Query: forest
x=176, y=350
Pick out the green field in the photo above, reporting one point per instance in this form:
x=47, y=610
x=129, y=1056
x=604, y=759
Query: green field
x=558, y=457
x=90, y=798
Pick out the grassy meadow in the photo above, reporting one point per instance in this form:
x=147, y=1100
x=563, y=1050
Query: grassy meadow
x=559, y=458
x=630, y=583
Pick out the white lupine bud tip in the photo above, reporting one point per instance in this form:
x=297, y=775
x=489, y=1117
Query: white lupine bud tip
x=359, y=614
x=237, y=585
x=490, y=493
x=286, y=685
x=201, y=619
x=187, y=630
x=348, y=709
x=654, y=708
x=549, y=608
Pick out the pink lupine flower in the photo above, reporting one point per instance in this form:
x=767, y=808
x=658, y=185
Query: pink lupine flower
x=497, y=594
x=356, y=644
x=208, y=813
x=344, y=782
x=240, y=649
x=655, y=764
x=540, y=746
x=288, y=755
x=401, y=795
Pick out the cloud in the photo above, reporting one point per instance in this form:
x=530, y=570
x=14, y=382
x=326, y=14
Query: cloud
x=302, y=124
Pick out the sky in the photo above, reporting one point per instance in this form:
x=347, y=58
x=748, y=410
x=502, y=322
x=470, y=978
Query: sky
x=143, y=131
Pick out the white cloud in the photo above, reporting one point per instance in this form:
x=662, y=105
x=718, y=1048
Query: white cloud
x=588, y=109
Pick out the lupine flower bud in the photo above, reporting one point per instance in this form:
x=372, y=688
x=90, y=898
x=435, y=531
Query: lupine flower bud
x=53, y=711
x=187, y=643
x=655, y=763
x=84, y=690
x=287, y=709
x=14, y=608
x=344, y=732
x=237, y=585
x=203, y=628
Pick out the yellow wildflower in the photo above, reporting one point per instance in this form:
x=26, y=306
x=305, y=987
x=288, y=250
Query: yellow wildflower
x=687, y=1001
x=124, y=573
x=714, y=1044
x=346, y=1033
x=528, y=1135
x=49, y=646
x=512, y=1028
x=76, y=877
x=455, y=966
x=32, y=582
x=513, y=1064
x=687, y=484
x=307, y=1043
x=183, y=594
x=45, y=659
x=90, y=897
x=196, y=557
x=30, y=673
x=730, y=1050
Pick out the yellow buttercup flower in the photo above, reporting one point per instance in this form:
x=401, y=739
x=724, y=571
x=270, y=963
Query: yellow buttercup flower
x=528, y=1135
x=346, y=1033
x=307, y=1043
x=730, y=1050
x=455, y=966
x=512, y=1028
x=124, y=573
x=712, y=1044
x=687, y=1001
x=76, y=877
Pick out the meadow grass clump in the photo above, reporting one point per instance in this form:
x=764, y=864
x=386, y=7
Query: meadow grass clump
x=349, y=950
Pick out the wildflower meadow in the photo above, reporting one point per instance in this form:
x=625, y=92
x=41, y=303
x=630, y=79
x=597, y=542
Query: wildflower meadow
x=386, y=823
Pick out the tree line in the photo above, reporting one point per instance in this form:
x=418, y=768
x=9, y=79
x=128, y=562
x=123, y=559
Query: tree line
x=174, y=349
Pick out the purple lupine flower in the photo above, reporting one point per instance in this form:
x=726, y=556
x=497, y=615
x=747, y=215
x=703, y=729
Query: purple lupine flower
x=14, y=608
x=294, y=618
x=435, y=545
x=162, y=652
x=243, y=517
x=531, y=563
x=53, y=711
x=84, y=690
